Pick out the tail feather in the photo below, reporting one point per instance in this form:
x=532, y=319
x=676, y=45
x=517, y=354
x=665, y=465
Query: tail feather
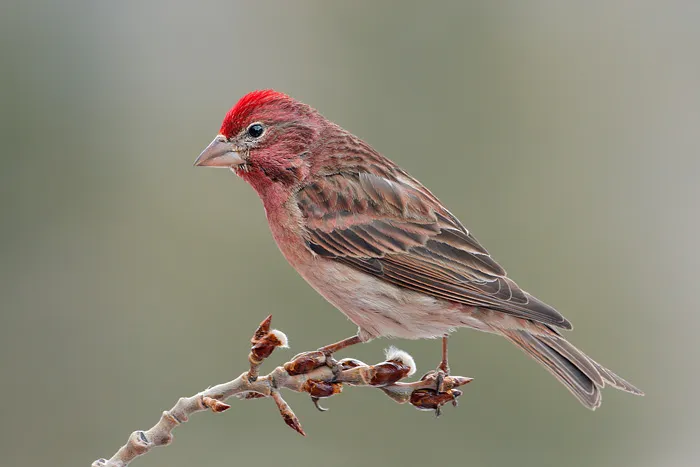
x=615, y=381
x=578, y=372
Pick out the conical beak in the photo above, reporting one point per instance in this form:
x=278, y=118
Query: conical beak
x=219, y=153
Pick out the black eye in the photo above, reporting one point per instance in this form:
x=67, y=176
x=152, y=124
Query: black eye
x=256, y=130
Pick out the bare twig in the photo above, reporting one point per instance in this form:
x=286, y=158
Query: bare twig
x=309, y=373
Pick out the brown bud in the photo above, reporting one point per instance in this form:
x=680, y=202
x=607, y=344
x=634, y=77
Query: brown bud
x=264, y=347
x=458, y=381
x=214, y=404
x=386, y=373
x=429, y=399
x=287, y=414
x=305, y=362
x=321, y=389
x=292, y=422
x=263, y=329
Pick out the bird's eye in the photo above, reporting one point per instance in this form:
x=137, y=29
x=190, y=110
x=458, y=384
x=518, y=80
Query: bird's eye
x=256, y=130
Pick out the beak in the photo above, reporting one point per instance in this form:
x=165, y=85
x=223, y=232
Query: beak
x=219, y=153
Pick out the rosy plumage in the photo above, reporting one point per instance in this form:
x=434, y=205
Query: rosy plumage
x=379, y=246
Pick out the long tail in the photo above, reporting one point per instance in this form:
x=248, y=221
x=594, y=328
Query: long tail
x=576, y=370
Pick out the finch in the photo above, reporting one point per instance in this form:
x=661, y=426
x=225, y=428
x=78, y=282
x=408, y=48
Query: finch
x=379, y=246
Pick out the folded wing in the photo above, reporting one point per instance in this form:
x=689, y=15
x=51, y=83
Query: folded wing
x=393, y=228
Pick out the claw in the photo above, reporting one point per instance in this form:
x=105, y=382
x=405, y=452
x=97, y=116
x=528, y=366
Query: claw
x=320, y=389
x=317, y=405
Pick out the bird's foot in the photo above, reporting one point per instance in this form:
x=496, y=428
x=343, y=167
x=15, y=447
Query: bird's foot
x=444, y=390
x=306, y=362
x=309, y=361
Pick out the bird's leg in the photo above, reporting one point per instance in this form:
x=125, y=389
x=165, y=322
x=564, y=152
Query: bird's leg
x=443, y=364
x=333, y=348
x=445, y=386
x=444, y=368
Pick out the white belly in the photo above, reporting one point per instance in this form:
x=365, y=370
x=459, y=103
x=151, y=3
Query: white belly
x=379, y=308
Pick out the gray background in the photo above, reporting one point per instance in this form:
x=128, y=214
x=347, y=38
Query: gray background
x=564, y=134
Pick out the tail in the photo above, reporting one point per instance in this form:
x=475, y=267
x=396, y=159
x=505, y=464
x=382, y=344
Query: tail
x=577, y=371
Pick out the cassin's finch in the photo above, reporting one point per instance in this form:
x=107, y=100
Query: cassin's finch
x=379, y=246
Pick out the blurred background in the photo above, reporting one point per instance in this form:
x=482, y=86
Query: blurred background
x=563, y=134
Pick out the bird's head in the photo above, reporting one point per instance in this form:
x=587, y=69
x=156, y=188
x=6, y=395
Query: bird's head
x=265, y=139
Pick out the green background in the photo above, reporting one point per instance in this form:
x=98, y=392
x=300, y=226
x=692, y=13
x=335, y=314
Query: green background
x=563, y=134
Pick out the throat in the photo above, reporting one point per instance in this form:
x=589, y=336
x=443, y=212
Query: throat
x=273, y=193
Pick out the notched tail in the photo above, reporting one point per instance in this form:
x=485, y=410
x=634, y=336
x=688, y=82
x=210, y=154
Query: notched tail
x=577, y=371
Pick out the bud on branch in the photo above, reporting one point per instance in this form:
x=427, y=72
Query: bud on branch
x=314, y=373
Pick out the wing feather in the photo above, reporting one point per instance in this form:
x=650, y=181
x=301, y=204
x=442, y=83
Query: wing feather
x=397, y=231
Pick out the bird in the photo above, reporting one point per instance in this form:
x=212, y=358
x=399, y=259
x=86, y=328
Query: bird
x=381, y=247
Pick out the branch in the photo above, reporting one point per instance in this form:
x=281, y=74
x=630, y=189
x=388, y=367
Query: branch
x=314, y=373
